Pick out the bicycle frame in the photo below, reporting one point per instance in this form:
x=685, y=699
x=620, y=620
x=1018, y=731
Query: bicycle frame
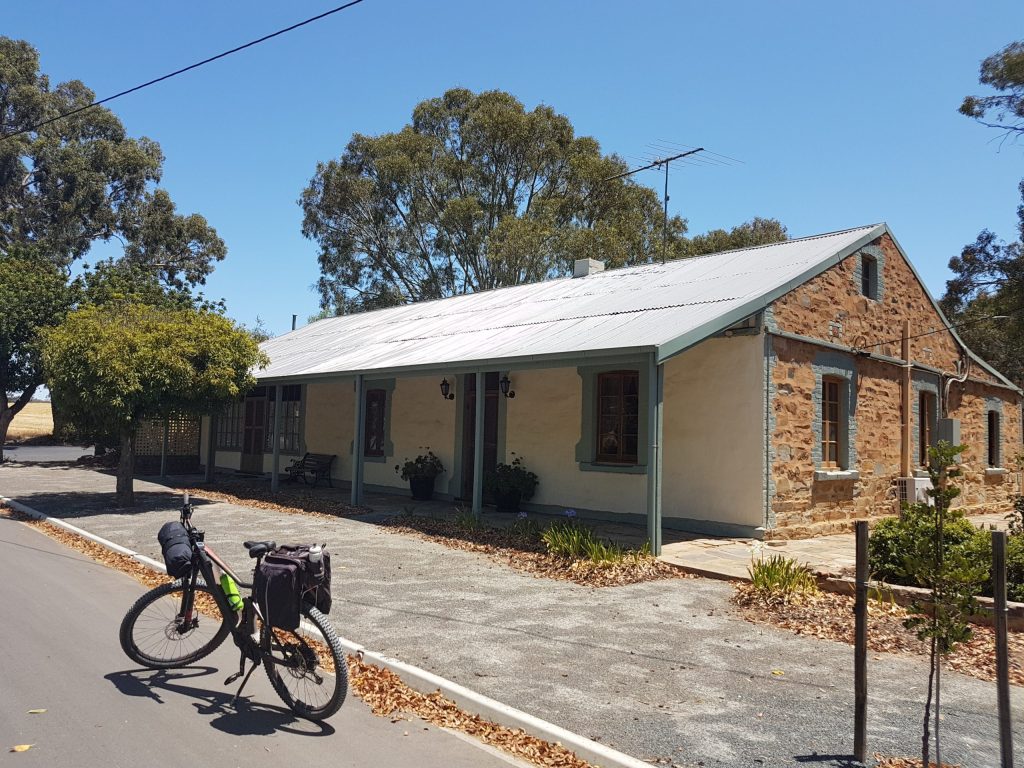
x=205, y=558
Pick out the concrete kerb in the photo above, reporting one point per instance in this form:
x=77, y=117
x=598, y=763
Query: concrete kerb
x=418, y=679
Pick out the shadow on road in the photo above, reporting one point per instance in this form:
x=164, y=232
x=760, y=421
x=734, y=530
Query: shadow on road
x=839, y=761
x=243, y=718
x=69, y=505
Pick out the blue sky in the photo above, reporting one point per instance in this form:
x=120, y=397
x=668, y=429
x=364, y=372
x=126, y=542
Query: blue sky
x=842, y=114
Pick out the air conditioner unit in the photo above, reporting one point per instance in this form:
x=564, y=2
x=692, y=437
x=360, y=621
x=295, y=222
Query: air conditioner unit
x=913, y=490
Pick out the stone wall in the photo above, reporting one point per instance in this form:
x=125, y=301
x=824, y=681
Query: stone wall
x=831, y=308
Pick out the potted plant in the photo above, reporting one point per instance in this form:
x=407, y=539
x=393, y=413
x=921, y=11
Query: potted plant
x=511, y=484
x=420, y=472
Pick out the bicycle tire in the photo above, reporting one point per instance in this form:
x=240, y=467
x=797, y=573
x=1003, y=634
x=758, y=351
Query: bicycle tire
x=297, y=673
x=149, y=629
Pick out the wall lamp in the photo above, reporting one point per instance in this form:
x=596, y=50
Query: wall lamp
x=505, y=384
x=446, y=390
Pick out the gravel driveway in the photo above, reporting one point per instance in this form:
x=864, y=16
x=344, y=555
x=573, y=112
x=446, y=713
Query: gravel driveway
x=663, y=670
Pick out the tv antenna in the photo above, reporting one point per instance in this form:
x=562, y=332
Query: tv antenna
x=661, y=162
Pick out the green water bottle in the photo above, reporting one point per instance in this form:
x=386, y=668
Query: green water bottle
x=231, y=590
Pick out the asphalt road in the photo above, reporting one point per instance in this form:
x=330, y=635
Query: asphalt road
x=45, y=454
x=59, y=651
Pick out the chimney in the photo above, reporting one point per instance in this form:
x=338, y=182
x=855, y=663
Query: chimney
x=584, y=267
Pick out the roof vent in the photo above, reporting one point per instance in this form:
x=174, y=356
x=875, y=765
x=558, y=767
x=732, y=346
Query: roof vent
x=584, y=267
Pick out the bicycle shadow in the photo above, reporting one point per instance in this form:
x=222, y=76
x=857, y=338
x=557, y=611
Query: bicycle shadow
x=244, y=718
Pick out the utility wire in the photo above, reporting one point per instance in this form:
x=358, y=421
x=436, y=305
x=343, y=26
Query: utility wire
x=863, y=347
x=181, y=71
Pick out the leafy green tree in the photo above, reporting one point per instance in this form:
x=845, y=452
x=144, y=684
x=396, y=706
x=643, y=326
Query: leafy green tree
x=33, y=295
x=81, y=179
x=475, y=193
x=78, y=180
x=117, y=364
x=987, y=282
x=952, y=577
x=1004, y=71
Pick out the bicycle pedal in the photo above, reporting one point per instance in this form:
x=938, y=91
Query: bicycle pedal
x=232, y=679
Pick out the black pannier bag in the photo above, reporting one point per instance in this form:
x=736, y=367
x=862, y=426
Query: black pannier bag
x=286, y=578
x=177, y=549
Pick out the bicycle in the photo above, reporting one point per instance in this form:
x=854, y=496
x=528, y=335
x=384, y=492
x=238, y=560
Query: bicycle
x=176, y=624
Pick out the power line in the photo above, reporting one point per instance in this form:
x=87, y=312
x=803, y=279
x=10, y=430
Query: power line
x=952, y=326
x=181, y=71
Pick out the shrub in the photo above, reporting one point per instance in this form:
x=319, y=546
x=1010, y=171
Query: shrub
x=512, y=478
x=425, y=465
x=894, y=539
x=525, y=528
x=780, y=580
x=567, y=539
x=466, y=520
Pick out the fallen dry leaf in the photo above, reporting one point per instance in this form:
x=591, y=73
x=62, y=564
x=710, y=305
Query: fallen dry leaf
x=384, y=691
x=36, y=711
x=22, y=747
x=829, y=616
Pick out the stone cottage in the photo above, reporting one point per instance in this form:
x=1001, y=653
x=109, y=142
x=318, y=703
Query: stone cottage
x=780, y=390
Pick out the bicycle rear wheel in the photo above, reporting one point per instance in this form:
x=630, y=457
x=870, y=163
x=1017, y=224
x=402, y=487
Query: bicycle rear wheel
x=156, y=635
x=307, y=669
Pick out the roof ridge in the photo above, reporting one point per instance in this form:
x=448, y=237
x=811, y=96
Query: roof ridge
x=612, y=271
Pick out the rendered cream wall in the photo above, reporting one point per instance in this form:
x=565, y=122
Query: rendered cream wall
x=713, y=461
x=419, y=419
x=329, y=424
x=543, y=426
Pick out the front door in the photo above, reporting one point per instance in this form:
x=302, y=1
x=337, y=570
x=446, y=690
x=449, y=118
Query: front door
x=254, y=431
x=469, y=429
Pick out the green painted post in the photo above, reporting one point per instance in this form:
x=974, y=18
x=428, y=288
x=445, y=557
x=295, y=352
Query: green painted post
x=275, y=469
x=655, y=387
x=357, y=441
x=478, y=446
x=211, y=449
x=163, y=449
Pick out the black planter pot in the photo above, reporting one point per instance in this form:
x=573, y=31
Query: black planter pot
x=507, y=501
x=422, y=488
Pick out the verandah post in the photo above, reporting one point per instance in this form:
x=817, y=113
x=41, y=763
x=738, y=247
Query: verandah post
x=357, y=441
x=274, y=479
x=478, y=446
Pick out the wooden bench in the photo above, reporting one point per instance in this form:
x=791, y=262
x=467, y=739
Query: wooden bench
x=316, y=464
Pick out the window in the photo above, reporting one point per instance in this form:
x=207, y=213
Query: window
x=926, y=418
x=373, y=439
x=993, y=439
x=618, y=417
x=291, y=411
x=869, y=276
x=229, y=427
x=830, y=414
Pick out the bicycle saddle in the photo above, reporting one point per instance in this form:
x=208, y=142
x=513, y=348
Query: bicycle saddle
x=259, y=548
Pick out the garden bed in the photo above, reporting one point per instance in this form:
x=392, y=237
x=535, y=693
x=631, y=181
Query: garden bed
x=829, y=616
x=526, y=552
x=292, y=499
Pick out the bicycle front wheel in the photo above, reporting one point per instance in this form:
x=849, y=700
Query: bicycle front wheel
x=156, y=634
x=307, y=666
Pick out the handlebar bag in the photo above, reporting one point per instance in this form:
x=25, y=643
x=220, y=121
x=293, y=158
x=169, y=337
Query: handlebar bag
x=176, y=548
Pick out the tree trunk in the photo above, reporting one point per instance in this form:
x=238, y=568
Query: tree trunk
x=8, y=412
x=126, y=469
x=926, y=739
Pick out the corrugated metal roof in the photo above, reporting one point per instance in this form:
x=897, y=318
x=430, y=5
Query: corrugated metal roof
x=629, y=309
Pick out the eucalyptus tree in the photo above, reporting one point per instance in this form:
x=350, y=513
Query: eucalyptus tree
x=477, y=192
